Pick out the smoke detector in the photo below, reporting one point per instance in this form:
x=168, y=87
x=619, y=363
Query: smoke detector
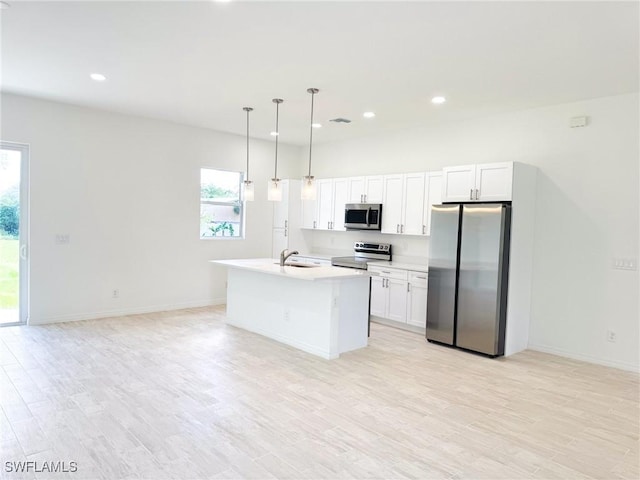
x=340, y=120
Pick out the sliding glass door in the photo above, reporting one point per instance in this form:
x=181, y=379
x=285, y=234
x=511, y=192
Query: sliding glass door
x=14, y=195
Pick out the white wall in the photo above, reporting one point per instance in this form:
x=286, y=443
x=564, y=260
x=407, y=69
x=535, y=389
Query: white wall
x=126, y=190
x=586, y=211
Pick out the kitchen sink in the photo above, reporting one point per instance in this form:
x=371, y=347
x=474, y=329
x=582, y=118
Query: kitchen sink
x=297, y=265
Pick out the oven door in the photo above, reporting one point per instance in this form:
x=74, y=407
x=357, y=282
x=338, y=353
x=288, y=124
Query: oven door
x=362, y=216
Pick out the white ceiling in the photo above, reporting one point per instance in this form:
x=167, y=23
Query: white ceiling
x=199, y=63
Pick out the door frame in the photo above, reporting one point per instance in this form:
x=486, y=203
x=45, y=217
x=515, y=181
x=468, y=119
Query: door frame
x=23, y=238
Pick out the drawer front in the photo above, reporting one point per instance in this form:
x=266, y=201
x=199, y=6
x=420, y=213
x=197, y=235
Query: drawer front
x=418, y=278
x=389, y=272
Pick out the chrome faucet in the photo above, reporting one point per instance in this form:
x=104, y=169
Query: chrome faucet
x=284, y=254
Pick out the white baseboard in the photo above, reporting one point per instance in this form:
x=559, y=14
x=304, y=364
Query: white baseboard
x=123, y=312
x=398, y=325
x=585, y=358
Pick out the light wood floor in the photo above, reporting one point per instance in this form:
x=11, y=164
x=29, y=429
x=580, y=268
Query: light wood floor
x=182, y=395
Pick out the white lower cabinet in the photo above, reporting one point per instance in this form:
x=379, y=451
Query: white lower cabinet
x=399, y=295
x=397, y=298
x=378, y=303
x=417, y=300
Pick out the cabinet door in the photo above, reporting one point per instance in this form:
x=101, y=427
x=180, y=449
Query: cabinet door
x=340, y=198
x=309, y=213
x=392, y=204
x=417, y=305
x=356, y=189
x=325, y=203
x=494, y=181
x=281, y=209
x=433, y=196
x=280, y=241
x=459, y=183
x=413, y=204
x=397, y=301
x=374, y=189
x=378, y=297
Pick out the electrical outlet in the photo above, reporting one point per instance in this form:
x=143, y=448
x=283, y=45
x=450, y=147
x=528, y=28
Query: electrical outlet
x=62, y=239
x=612, y=336
x=115, y=293
x=625, y=264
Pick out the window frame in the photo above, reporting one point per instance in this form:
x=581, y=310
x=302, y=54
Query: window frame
x=241, y=175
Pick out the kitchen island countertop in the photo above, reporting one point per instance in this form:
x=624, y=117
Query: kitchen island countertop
x=272, y=266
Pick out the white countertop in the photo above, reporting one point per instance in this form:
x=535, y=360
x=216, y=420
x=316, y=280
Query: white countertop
x=415, y=267
x=272, y=266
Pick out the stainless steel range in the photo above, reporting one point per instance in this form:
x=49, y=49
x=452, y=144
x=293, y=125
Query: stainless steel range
x=364, y=253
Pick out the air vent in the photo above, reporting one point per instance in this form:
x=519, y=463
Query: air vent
x=340, y=120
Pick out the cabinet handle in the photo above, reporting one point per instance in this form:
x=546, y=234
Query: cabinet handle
x=286, y=224
x=401, y=228
x=471, y=194
x=364, y=197
x=408, y=287
x=361, y=198
x=383, y=271
x=314, y=224
x=477, y=194
x=397, y=228
x=423, y=278
x=387, y=281
x=424, y=229
x=285, y=232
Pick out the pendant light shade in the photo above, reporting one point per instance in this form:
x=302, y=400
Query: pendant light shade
x=247, y=185
x=274, y=189
x=308, y=182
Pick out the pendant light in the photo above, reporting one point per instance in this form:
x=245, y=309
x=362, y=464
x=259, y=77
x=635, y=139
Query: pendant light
x=308, y=183
x=275, y=189
x=248, y=193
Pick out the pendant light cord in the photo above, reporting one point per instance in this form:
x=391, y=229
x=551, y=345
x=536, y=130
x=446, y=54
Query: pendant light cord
x=313, y=93
x=247, y=109
x=275, y=173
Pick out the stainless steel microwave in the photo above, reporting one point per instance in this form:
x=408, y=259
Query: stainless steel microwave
x=363, y=216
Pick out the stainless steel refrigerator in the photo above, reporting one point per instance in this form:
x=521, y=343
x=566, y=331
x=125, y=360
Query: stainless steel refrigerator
x=468, y=276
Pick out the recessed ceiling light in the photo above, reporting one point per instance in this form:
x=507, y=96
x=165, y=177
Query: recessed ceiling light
x=274, y=134
x=316, y=125
x=4, y=5
x=98, y=77
x=438, y=100
x=368, y=114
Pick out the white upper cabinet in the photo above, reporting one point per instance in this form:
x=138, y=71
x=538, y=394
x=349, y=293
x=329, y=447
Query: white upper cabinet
x=459, y=183
x=340, y=199
x=478, y=183
x=357, y=189
x=494, y=181
x=432, y=196
x=327, y=212
x=366, y=189
x=374, y=189
x=324, y=192
x=392, y=204
x=309, y=213
x=281, y=209
x=413, y=204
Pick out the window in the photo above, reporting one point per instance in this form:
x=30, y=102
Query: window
x=221, y=210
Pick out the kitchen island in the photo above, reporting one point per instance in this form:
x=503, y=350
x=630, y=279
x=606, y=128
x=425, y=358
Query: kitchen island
x=322, y=310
